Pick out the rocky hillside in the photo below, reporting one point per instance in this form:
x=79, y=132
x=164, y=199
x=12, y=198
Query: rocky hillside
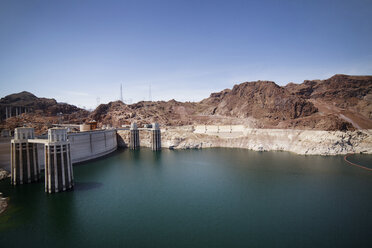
x=43, y=112
x=347, y=97
x=316, y=104
x=268, y=105
x=339, y=103
x=171, y=113
x=262, y=100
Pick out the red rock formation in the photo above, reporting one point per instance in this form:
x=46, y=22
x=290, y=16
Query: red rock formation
x=261, y=100
x=347, y=97
x=339, y=103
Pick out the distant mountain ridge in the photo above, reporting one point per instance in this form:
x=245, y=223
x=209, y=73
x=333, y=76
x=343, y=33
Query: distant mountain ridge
x=49, y=105
x=45, y=112
x=341, y=102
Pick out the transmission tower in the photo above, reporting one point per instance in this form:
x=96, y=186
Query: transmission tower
x=121, y=92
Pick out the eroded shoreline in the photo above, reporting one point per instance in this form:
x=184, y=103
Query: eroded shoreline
x=303, y=142
x=3, y=200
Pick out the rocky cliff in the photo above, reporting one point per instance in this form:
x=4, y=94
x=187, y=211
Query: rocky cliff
x=346, y=97
x=260, y=100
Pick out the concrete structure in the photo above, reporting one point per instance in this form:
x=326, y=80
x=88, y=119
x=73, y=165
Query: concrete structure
x=84, y=146
x=150, y=136
x=5, y=153
x=93, y=144
x=84, y=127
x=24, y=162
x=9, y=110
x=58, y=153
x=222, y=131
x=92, y=125
x=134, y=142
x=211, y=129
x=155, y=137
x=58, y=165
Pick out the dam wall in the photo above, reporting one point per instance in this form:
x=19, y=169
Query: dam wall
x=91, y=144
x=84, y=146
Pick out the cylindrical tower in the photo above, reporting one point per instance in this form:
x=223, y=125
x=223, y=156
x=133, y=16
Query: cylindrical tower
x=59, y=174
x=134, y=141
x=155, y=137
x=23, y=157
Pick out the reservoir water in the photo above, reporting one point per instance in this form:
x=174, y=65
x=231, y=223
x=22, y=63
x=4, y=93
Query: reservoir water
x=197, y=198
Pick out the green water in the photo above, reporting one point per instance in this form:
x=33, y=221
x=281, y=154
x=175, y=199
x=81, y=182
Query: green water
x=197, y=198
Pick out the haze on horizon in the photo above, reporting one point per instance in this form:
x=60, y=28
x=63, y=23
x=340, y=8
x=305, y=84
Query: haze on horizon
x=76, y=51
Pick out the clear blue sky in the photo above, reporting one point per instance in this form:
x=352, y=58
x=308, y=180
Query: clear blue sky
x=76, y=51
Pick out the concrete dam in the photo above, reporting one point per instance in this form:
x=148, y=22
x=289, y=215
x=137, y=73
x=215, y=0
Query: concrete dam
x=84, y=146
x=93, y=144
x=26, y=155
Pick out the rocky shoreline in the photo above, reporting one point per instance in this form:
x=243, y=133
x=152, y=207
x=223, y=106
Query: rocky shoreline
x=3, y=200
x=303, y=142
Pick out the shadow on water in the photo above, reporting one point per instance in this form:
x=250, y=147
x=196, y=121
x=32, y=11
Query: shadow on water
x=84, y=186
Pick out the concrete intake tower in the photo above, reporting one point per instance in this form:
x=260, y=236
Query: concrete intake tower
x=24, y=159
x=58, y=166
x=134, y=141
x=155, y=137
